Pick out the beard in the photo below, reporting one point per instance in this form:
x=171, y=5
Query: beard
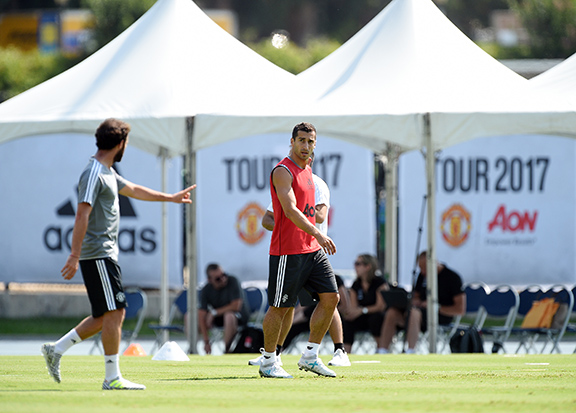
x=119, y=154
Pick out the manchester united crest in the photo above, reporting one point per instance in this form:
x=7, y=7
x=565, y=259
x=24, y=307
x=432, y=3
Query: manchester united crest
x=455, y=225
x=248, y=223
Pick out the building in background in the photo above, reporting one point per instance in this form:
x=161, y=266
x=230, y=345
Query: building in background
x=69, y=30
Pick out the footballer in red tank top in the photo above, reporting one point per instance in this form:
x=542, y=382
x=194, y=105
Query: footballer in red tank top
x=287, y=238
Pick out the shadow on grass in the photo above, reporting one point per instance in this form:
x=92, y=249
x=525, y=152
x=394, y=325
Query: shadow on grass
x=212, y=378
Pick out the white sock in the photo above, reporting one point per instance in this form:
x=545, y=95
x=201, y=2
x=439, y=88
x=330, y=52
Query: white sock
x=383, y=350
x=67, y=341
x=268, y=358
x=311, y=349
x=112, y=367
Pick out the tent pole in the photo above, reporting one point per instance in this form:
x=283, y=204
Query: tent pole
x=191, y=247
x=431, y=267
x=391, y=231
x=164, y=307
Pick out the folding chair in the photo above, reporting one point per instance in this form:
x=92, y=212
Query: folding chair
x=258, y=303
x=501, y=304
x=571, y=328
x=527, y=337
x=554, y=334
x=476, y=293
x=180, y=304
x=137, y=304
x=257, y=300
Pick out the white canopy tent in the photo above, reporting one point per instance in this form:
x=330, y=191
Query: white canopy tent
x=409, y=77
x=170, y=65
x=560, y=79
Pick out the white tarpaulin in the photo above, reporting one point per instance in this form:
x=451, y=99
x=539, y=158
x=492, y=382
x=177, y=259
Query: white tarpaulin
x=39, y=201
x=234, y=192
x=560, y=80
x=505, y=209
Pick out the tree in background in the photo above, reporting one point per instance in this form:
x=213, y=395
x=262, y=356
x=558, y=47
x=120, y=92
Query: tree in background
x=551, y=25
x=112, y=17
x=469, y=15
x=304, y=20
x=20, y=70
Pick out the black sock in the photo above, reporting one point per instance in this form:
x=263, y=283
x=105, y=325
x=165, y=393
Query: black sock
x=339, y=346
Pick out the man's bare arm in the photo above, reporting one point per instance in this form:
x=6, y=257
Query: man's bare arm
x=282, y=181
x=268, y=220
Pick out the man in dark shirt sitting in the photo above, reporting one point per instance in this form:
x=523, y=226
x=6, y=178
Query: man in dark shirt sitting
x=222, y=304
x=451, y=300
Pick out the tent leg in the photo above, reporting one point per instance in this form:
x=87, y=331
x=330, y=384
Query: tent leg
x=164, y=306
x=431, y=267
x=391, y=230
x=191, y=246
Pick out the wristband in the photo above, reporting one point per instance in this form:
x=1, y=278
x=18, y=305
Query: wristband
x=213, y=312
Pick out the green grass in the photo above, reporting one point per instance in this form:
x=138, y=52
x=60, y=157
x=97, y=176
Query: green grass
x=57, y=326
x=403, y=383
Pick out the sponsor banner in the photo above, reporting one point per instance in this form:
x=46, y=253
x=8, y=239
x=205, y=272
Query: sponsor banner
x=234, y=191
x=505, y=210
x=38, y=205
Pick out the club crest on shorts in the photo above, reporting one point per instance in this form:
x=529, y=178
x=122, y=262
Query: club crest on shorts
x=120, y=297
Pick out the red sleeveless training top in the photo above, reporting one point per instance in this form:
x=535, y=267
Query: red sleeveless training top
x=287, y=238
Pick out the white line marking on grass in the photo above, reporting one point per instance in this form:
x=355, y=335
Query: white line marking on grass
x=537, y=364
x=366, y=361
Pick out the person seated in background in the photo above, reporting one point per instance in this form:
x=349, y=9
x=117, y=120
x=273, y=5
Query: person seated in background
x=222, y=304
x=366, y=310
x=451, y=300
x=301, y=320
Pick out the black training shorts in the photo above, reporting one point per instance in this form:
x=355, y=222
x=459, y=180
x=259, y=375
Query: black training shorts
x=290, y=273
x=103, y=281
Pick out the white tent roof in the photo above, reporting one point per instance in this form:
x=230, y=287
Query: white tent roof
x=409, y=60
x=561, y=79
x=173, y=63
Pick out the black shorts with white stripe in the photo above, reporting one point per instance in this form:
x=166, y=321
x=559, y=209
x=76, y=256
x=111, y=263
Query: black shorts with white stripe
x=103, y=281
x=291, y=273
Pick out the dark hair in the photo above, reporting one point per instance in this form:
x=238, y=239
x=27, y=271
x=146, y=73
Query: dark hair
x=371, y=261
x=211, y=267
x=304, y=127
x=110, y=133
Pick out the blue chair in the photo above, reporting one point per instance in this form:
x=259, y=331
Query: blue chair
x=501, y=305
x=137, y=304
x=476, y=294
x=258, y=303
x=180, y=304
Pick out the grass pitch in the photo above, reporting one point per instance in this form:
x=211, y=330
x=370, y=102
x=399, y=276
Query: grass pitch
x=374, y=383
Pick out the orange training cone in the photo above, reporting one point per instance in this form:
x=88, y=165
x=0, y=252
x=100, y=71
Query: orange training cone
x=134, y=350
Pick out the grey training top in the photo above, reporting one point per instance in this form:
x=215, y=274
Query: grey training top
x=99, y=186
